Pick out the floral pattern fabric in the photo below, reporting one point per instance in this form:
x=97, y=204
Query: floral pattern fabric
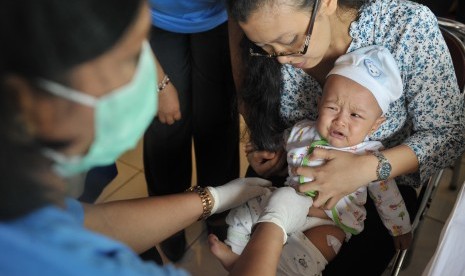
x=429, y=117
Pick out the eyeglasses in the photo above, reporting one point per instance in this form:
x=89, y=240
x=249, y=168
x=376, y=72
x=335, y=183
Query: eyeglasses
x=316, y=4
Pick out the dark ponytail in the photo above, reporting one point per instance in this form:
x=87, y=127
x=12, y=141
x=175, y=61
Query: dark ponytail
x=261, y=96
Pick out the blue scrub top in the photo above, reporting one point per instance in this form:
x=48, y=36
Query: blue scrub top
x=53, y=241
x=188, y=16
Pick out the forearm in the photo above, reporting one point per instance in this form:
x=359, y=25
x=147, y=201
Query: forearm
x=403, y=160
x=142, y=223
x=438, y=148
x=262, y=253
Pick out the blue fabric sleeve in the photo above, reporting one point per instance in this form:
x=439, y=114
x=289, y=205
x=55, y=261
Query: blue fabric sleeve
x=187, y=16
x=75, y=209
x=53, y=241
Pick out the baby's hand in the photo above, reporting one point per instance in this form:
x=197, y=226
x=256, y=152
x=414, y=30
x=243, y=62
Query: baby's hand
x=403, y=241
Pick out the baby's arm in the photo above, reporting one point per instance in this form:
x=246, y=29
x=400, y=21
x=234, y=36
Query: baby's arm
x=392, y=210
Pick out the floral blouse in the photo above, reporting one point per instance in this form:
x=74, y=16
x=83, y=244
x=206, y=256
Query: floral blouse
x=429, y=117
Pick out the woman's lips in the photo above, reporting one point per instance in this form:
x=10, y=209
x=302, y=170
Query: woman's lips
x=298, y=65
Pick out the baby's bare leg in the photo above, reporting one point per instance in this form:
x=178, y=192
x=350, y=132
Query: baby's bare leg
x=319, y=237
x=222, y=252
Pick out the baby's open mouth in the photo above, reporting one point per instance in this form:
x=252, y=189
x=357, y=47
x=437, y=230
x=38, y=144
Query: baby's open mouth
x=337, y=134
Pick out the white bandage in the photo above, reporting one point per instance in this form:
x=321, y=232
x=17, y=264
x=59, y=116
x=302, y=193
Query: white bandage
x=334, y=243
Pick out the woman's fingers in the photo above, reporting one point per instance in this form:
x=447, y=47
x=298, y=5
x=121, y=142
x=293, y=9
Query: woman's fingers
x=177, y=115
x=266, y=163
x=261, y=156
x=168, y=106
x=281, y=165
x=169, y=119
x=262, y=166
x=164, y=119
x=331, y=202
x=325, y=200
x=321, y=154
x=325, y=178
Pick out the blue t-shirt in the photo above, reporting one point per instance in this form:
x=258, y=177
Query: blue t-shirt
x=188, y=16
x=53, y=241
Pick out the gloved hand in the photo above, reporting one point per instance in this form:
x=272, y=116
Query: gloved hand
x=287, y=209
x=236, y=192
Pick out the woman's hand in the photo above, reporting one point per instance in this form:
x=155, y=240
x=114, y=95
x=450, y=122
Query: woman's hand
x=237, y=192
x=266, y=163
x=287, y=209
x=341, y=174
x=168, y=105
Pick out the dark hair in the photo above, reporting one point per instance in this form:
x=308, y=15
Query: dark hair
x=261, y=87
x=240, y=10
x=45, y=38
x=260, y=96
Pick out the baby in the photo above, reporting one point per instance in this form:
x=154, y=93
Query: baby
x=356, y=95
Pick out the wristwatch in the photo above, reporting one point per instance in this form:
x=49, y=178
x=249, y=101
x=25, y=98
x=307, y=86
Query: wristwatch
x=383, y=171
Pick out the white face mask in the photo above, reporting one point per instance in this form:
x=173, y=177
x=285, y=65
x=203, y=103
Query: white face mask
x=121, y=117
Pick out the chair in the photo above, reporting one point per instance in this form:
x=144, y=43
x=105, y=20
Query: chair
x=454, y=36
x=426, y=197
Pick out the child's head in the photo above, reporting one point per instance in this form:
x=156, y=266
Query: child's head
x=356, y=95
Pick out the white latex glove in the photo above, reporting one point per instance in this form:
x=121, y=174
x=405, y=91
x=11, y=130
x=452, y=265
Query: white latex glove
x=237, y=192
x=287, y=209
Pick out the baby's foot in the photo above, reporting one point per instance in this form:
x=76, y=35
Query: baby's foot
x=222, y=252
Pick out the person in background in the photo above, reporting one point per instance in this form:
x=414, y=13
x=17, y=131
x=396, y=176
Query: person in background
x=197, y=105
x=288, y=49
x=77, y=89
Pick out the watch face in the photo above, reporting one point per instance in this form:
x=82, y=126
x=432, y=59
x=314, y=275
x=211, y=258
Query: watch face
x=385, y=170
